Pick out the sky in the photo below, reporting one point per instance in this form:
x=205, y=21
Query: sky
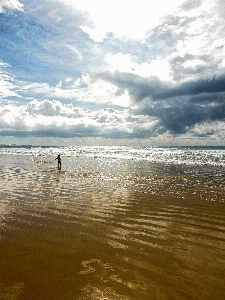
x=112, y=72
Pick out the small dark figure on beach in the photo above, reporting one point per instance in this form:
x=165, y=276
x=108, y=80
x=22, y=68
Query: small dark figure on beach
x=59, y=162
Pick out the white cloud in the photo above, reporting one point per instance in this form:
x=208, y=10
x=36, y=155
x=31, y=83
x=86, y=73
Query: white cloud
x=10, y=4
x=82, y=90
x=68, y=79
x=55, y=116
x=193, y=63
x=123, y=63
x=15, y=117
x=101, y=92
x=74, y=49
x=52, y=108
x=44, y=90
x=166, y=74
x=202, y=35
x=95, y=34
x=210, y=129
x=125, y=18
x=7, y=88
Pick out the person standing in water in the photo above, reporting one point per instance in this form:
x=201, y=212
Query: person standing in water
x=59, y=162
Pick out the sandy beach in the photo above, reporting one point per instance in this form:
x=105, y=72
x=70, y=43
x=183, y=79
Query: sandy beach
x=110, y=229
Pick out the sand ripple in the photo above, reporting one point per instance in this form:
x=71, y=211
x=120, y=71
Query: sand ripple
x=99, y=232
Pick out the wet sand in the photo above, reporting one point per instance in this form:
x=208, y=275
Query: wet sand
x=110, y=229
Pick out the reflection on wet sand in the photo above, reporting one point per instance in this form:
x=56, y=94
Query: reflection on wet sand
x=12, y=292
x=107, y=231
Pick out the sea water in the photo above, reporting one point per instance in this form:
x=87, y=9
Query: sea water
x=112, y=223
x=178, y=155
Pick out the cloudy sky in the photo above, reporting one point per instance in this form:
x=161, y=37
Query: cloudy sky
x=148, y=71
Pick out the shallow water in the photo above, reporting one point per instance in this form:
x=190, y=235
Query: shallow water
x=110, y=227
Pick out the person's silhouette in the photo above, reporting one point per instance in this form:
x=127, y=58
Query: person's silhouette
x=59, y=162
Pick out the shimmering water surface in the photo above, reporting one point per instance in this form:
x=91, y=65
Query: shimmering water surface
x=113, y=223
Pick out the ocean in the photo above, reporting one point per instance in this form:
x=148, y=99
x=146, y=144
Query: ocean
x=113, y=223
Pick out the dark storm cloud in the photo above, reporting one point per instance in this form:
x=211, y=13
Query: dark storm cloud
x=155, y=89
x=138, y=87
x=179, y=116
x=211, y=85
x=177, y=107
